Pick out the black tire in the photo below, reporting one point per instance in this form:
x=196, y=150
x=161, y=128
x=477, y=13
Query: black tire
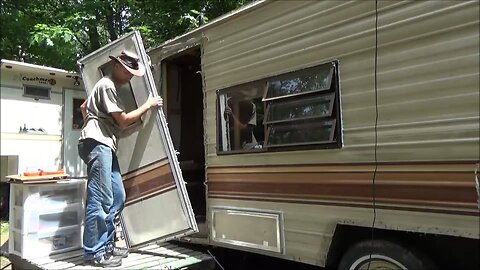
x=382, y=254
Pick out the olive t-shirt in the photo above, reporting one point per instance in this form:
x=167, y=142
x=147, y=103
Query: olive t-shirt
x=99, y=123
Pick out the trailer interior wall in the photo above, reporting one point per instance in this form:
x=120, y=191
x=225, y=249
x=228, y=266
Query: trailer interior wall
x=428, y=111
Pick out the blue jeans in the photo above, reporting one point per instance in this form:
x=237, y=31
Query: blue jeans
x=105, y=197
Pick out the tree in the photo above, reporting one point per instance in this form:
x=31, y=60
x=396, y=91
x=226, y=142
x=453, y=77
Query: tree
x=58, y=32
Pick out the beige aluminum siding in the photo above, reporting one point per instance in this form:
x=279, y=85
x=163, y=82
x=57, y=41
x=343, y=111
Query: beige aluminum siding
x=309, y=228
x=428, y=81
x=427, y=74
x=285, y=36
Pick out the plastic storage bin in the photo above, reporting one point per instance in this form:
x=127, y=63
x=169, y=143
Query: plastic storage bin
x=58, y=195
x=34, y=221
x=46, y=218
x=43, y=244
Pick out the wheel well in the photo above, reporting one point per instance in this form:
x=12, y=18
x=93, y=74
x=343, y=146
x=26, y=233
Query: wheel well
x=448, y=252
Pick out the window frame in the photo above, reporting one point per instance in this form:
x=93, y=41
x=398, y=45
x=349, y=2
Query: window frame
x=36, y=97
x=334, y=112
x=225, y=91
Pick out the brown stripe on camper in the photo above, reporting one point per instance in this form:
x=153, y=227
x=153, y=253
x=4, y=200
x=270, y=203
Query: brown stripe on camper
x=428, y=185
x=146, y=168
x=156, y=179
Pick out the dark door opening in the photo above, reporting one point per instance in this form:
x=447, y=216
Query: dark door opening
x=184, y=109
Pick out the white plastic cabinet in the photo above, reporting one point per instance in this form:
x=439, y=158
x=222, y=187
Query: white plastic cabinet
x=46, y=218
x=43, y=244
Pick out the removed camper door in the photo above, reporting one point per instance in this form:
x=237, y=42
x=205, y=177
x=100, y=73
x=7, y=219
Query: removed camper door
x=157, y=206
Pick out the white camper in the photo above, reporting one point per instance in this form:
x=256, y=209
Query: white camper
x=40, y=118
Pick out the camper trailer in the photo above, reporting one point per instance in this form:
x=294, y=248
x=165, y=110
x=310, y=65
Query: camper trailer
x=333, y=133
x=41, y=122
x=41, y=119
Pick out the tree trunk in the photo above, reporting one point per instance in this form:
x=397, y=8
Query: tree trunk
x=93, y=36
x=110, y=17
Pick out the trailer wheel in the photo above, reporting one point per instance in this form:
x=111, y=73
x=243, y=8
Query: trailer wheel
x=382, y=254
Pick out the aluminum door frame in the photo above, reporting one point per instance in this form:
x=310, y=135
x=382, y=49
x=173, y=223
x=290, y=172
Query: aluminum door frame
x=163, y=130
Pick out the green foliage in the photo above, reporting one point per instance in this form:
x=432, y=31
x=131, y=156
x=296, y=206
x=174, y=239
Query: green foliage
x=3, y=227
x=58, y=32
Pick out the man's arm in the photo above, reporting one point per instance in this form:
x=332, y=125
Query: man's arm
x=125, y=119
x=83, y=109
x=228, y=111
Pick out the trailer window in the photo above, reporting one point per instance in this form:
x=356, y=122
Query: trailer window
x=36, y=92
x=301, y=84
x=300, y=133
x=241, y=119
x=308, y=108
x=290, y=111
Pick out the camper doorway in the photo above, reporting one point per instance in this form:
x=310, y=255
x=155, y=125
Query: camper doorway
x=184, y=109
x=72, y=125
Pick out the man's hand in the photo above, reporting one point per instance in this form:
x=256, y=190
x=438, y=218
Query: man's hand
x=125, y=119
x=227, y=112
x=153, y=102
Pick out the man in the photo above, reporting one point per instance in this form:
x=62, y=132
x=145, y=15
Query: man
x=242, y=120
x=105, y=117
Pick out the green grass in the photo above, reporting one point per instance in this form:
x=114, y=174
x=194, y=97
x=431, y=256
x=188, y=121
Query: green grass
x=3, y=238
x=4, y=228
